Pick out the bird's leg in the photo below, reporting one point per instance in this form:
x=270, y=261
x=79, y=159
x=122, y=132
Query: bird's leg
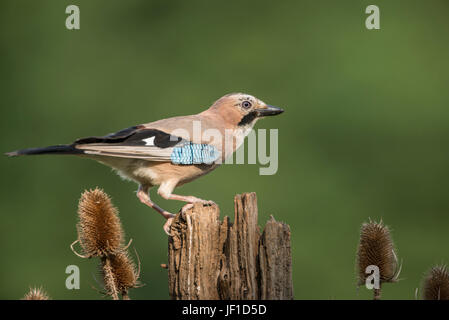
x=144, y=197
x=165, y=191
x=188, y=199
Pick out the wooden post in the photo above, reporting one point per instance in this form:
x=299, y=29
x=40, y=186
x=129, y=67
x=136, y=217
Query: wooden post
x=213, y=259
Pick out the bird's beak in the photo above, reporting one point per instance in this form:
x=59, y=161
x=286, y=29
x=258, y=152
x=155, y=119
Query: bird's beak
x=268, y=111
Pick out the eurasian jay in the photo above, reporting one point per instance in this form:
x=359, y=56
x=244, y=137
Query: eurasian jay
x=171, y=152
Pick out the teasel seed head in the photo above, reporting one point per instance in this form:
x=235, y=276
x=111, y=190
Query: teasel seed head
x=119, y=274
x=99, y=228
x=436, y=284
x=36, y=294
x=376, y=248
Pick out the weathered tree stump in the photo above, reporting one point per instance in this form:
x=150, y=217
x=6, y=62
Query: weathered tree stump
x=213, y=259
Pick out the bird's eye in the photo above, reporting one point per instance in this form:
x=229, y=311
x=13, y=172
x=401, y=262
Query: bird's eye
x=246, y=104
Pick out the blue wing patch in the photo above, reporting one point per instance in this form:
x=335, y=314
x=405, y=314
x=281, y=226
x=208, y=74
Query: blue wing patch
x=193, y=153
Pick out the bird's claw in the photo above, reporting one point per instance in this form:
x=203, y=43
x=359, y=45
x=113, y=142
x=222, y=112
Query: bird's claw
x=167, y=226
x=208, y=203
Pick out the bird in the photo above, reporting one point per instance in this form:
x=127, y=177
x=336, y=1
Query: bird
x=171, y=152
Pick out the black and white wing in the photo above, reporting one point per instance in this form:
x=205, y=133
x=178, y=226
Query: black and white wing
x=140, y=142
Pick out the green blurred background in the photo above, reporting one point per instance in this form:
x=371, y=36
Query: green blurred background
x=365, y=132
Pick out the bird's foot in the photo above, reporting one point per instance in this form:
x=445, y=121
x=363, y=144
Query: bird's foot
x=190, y=205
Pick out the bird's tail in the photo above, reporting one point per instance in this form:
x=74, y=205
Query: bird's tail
x=59, y=149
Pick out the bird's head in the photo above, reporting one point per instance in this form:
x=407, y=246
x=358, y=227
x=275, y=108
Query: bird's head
x=242, y=110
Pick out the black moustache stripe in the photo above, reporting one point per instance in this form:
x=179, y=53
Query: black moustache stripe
x=248, y=118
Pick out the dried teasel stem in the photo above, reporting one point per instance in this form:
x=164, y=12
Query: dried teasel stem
x=109, y=278
x=377, y=294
